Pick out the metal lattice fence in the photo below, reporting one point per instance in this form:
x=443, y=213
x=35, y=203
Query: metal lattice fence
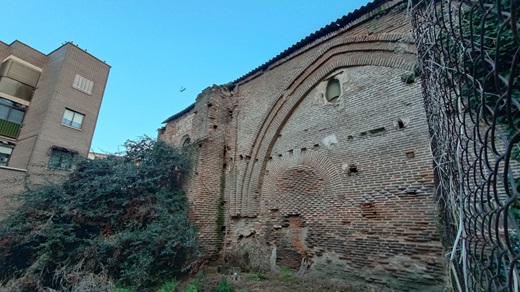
x=469, y=54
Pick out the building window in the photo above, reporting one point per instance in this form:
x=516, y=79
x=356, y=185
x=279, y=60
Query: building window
x=185, y=141
x=72, y=118
x=62, y=158
x=11, y=117
x=83, y=84
x=333, y=90
x=5, y=153
x=11, y=111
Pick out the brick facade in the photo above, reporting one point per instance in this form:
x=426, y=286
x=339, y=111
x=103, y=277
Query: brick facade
x=345, y=186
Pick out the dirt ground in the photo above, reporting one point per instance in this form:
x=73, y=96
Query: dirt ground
x=284, y=281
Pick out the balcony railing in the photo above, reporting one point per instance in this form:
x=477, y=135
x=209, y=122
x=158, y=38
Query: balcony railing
x=9, y=129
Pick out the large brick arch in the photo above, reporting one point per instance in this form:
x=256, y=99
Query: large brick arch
x=387, y=50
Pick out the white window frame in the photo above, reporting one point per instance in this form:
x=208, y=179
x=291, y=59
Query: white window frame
x=74, y=116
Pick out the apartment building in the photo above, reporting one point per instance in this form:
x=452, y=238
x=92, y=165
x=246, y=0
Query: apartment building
x=49, y=105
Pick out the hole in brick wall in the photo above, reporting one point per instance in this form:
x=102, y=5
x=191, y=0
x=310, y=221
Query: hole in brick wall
x=280, y=135
x=222, y=203
x=316, y=145
x=378, y=130
x=279, y=155
x=410, y=154
x=196, y=173
x=291, y=151
x=223, y=228
x=363, y=133
x=200, y=145
x=304, y=149
x=270, y=158
x=241, y=157
x=256, y=160
x=224, y=165
x=400, y=124
x=352, y=169
x=214, y=126
x=248, y=157
x=195, y=112
x=368, y=210
x=350, y=137
x=210, y=104
x=294, y=221
x=228, y=147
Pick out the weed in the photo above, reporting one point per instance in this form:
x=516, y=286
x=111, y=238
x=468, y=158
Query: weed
x=223, y=286
x=257, y=277
x=193, y=286
x=168, y=286
x=287, y=275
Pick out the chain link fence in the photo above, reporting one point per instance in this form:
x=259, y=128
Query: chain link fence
x=469, y=53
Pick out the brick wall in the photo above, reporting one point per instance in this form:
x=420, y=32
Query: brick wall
x=206, y=126
x=346, y=186
x=12, y=183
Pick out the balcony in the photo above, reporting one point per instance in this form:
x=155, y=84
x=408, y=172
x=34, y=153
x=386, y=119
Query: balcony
x=16, y=88
x=9, y=129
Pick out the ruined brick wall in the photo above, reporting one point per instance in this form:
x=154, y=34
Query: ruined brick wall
x=347, y=185
x=206, y=127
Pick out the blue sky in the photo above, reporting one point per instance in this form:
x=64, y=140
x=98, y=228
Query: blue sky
x=157, y=47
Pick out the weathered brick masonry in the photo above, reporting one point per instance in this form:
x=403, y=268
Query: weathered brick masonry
x=343, y=186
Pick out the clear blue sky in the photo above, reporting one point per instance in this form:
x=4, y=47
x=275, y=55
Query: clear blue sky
x=157, y=47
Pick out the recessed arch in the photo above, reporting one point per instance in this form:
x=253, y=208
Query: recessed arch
x=335, y=55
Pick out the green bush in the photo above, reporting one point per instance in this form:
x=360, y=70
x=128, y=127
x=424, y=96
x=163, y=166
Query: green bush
x=168, y=286
x=223, y=286
x=125, y=216
x=193, y=286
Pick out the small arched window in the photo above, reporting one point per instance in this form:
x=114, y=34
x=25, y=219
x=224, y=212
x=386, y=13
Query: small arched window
x=186, y=141
x=333, y=90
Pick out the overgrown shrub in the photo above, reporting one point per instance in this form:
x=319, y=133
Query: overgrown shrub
x=124, y=216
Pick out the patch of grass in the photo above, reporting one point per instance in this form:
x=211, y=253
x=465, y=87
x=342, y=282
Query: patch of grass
x=257, y=277
x=223, y=286
x=194, y=286
x=287, y=275
x=168, y=286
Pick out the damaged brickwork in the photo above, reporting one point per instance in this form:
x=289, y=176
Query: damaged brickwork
x=342, y=184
